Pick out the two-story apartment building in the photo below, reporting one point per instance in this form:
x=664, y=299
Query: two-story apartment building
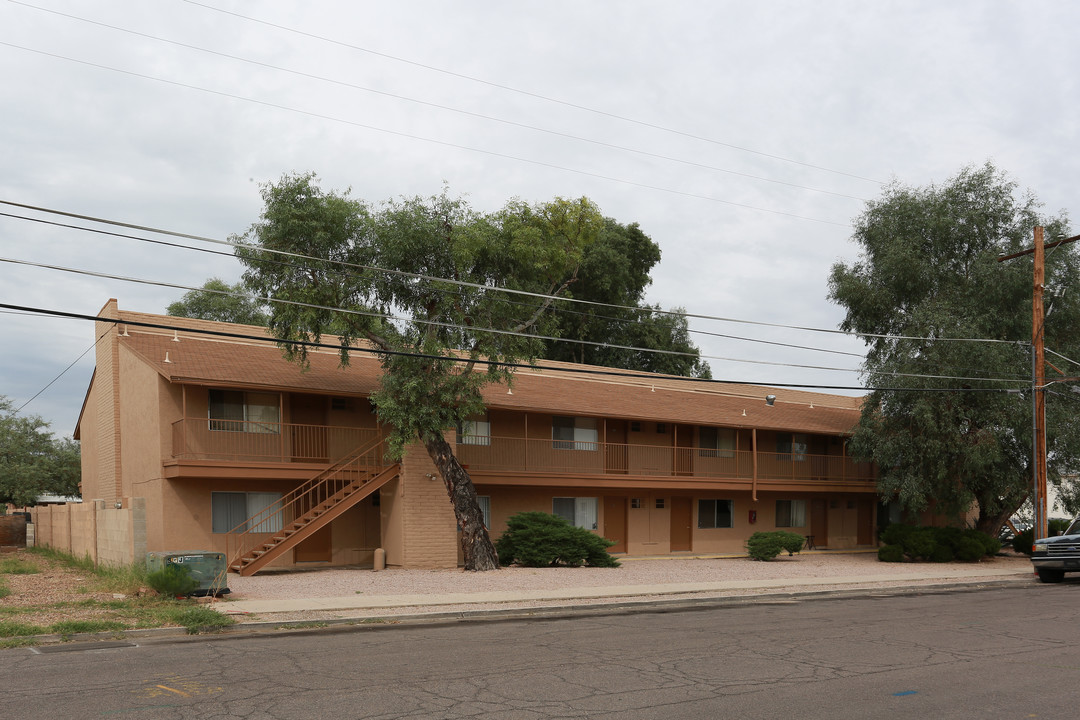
x=229, y=447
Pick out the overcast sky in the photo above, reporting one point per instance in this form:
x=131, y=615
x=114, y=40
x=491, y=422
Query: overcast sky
x=743, y=137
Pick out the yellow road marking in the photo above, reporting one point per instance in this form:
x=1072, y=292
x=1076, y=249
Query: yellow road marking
x=178, y=692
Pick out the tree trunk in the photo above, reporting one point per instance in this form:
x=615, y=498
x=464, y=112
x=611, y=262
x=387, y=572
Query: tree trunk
x=475, y=543
x=991, y=524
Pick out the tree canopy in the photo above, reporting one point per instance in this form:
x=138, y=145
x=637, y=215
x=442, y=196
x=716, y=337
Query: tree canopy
x=615, y=272
x=948, y=330
x=220, y=301
x=439, y=343
x=33, y=461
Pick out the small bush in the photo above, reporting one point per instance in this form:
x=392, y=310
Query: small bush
x=890, y=553
x=172, y=580
x=767, y=545
x=537, y=539
x=936, y=544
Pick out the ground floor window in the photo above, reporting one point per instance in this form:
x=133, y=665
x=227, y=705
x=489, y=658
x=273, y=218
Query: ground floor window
x=231, y=510
x=714, y=514
x=485, y=508
x=579, y=511
x=791, y=513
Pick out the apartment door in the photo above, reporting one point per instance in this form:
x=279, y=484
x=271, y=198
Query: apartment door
x=317, y=548
x=684, y=453
x=615, y=522
x=308, y=428
x=615, y=458
x=681, y=519
x=865, y=522
x=819, y=521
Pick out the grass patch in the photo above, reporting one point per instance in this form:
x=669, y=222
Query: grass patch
x=17, y=642
x=18, y=566
x=70, y=627
x=10, y=628
x=126, y=579
x=4, y=589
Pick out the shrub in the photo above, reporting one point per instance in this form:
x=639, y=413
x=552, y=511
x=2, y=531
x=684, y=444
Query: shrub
x=937, y=544
x=767, y=545
x=537, y=539
x=172, y=580
x=890, y=553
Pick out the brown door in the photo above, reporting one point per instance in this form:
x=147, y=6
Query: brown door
x=819, y=522
x=308, y=428
x=615, y=447
x=615, y=522
x=317, y=548
x=684, y=453
x=681, y=517
x=866, y=522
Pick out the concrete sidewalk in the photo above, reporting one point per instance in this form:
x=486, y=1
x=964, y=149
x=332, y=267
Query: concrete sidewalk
x=356, y=605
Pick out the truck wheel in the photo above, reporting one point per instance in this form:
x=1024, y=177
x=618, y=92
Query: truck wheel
x=1051, y=576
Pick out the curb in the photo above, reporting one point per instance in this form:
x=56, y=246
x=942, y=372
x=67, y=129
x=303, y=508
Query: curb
x=617, y=606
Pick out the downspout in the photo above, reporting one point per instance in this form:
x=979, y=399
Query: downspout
x=753, y=444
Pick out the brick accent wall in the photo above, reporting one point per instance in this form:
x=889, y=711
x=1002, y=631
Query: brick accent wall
x=427, y=516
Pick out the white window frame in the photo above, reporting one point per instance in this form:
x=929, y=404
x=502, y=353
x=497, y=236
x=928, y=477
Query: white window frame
x=580, y=512
x=716, y=441
x=791, y=513
x=252, y=503
x=574, y=433
x=711, y=520
x=475, y=431
x=240, y=411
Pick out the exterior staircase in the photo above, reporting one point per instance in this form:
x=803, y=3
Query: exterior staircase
x=283, y=525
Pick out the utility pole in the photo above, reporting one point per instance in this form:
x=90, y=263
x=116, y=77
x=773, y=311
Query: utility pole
x=1038, y=378
x=1038, y=319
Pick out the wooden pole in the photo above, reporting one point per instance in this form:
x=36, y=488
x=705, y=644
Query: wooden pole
x=1037, y=340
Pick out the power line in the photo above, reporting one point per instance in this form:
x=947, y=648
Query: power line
x=495, y=363
x=397, y=318
x=62, y=372
x=444, y=143
x=478, y=286
x=538, y=96
x=448, y=108
x=563, y=310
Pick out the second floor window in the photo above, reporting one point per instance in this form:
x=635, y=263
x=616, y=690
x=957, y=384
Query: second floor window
x=476, y=431
x=239, y=411
x=793, y=445
x=574, y=433
x=716, y=442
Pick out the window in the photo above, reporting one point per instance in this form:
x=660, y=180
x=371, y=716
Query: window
x=661, y=428
x=659, y=503
x=716, y=442
x=635, y=426
x=485, y=508
x=570, y=433
x=635, y=503
x=578, y=511
x=229, y=510
x=714, y=514
x=790, y=513
x=476, y=431
x=791, y=444
x=239, y=411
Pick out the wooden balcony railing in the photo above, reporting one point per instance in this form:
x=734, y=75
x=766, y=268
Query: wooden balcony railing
x=494, y=454
x=244, y=441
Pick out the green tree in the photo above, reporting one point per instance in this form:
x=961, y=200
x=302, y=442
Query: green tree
x=33, y=461
x=220, y=301
x=615, y=271
x=938, y=423
x=439, y=343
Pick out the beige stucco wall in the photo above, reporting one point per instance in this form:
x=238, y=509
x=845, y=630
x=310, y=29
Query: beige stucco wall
x=106, y=534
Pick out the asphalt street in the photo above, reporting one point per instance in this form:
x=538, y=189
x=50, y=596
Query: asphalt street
x=1010, y=652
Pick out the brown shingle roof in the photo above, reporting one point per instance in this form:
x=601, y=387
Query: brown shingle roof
x=560, y=388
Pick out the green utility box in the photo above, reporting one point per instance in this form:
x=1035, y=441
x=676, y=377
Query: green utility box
x=208, y=568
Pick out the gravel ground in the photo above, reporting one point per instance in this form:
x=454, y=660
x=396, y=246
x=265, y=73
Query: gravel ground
x=340, y=582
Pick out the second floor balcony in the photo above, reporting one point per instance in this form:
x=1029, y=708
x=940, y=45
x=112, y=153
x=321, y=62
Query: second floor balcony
x=481, y=454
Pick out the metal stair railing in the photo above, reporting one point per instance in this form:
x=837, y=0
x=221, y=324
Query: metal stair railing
x=326, y=489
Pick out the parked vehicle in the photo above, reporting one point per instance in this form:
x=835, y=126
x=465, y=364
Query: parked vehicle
x=1055, y=556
